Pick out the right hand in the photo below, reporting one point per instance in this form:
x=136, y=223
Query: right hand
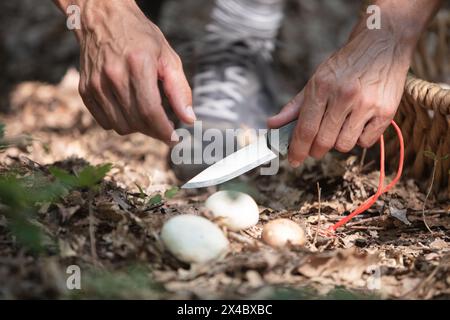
x=123, y=55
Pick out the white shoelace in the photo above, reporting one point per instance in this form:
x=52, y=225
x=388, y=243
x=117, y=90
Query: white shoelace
x=230, y=88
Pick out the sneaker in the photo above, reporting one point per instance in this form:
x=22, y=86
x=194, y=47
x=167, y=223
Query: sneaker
x=230, y=91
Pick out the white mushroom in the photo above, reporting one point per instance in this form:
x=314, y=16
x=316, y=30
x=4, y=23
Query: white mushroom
x=237, y=210
x=281, y=232
x=193, y=239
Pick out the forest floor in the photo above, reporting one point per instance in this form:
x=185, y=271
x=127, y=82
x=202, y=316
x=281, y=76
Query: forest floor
x=112, y=231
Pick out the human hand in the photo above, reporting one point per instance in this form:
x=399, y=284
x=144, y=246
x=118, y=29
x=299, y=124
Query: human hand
x=123, y=55
x=350, y=99
x=353, y=96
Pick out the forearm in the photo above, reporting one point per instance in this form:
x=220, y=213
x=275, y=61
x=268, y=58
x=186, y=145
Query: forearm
x=401, y=20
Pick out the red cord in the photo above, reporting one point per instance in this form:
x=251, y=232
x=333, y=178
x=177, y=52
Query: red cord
x=369, y=202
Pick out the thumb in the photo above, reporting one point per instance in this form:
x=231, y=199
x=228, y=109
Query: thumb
x=288, y=113
x=176, y=87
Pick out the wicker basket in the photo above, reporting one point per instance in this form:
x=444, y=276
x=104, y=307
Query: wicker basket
x=424, y=112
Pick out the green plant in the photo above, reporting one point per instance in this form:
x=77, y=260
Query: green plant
x=157, y=198
x=87, y=178
x=19, y=196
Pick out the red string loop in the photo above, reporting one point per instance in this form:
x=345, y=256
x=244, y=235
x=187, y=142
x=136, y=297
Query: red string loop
x=381, y=189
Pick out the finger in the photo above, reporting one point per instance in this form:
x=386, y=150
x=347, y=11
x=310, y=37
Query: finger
x=373, y=131
x=310, y=117
x=352, y=130
x=288, y=114
x=339, y=107
x=101, y=93
x=119, y=82
x=97, y=112
x=93, y=107
x=176, y=86
x=144, y=83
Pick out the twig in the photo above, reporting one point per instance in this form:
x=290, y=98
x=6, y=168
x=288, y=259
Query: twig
x=372, y=219
x=363, y=158
x=243, y=239
x=366, y=228
x=423, y=282
x=428, y=195
x=319, y=192
x=92, y=229
x=367, y=166
x=436, y=212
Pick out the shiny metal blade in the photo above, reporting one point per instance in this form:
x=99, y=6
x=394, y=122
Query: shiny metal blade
x=234, y=165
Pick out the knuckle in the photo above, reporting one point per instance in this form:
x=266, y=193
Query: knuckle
x=307, y=131
x=322, y=83
x=348, y=91
x=344, y=145
x=135, y=59
x=368, y=102
x=324, y=142
x=177, y=61
x=385, y=113
x=114, y=73
x=292, y=104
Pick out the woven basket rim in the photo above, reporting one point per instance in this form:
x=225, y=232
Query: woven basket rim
x=430, y=95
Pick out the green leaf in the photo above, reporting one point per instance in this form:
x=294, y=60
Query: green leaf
x=27, y=233
x=156, y=199
x=90, y=176
x=64, y=177
x=445, y=157
x=169, y=194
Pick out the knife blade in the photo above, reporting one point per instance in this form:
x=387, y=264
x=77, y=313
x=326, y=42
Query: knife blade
x=266, y=148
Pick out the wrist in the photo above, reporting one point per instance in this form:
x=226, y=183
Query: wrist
x=94, y=13
x=402, y=22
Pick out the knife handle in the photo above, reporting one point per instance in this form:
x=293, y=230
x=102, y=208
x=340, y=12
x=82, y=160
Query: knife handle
x=284, y=138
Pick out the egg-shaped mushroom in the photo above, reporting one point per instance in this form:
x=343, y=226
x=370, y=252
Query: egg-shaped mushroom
x=281, y=232
x=193, y=239
x=236, y=210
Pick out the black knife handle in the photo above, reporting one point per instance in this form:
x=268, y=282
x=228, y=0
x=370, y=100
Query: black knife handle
x=284, y=138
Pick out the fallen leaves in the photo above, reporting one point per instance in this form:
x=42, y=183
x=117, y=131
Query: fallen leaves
x=342, y=267
x=386, y=251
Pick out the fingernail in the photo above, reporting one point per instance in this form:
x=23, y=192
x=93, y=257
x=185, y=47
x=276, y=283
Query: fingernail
x=294, y=163
x=190, y=113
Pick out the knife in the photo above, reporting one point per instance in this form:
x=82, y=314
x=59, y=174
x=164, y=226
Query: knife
x=254, y=155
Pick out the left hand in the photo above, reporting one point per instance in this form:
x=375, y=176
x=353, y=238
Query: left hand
x=351, y=98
